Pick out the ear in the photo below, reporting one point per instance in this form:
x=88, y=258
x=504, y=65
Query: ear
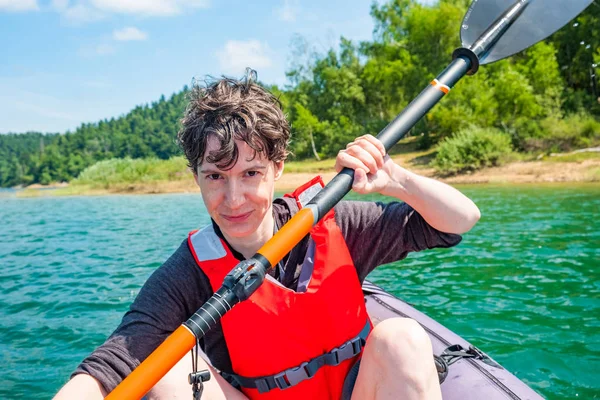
x=278, y=169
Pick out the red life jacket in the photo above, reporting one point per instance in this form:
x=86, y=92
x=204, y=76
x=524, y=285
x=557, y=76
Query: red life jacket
x=277, y=328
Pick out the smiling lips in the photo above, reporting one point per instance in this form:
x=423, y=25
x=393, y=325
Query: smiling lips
x=237, y=217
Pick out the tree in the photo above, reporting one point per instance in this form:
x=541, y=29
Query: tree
x=305, y=126
x=576, y=44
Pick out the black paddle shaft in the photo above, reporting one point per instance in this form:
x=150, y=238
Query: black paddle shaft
x=465, y=61
x=243, y=280
x=341, y=184
x=247, y=276
x=226, y=297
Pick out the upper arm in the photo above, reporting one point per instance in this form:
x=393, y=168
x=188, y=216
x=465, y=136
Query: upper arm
x=165, y=301
x=81, y=386
x=378, y=233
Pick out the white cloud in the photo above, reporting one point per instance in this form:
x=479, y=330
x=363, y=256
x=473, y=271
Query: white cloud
x=60, y=5
x=196, y=3
x=143, y=7
x=19, y=5
x=81, y=13
x=129, y=33
x=288, y=11
x=104, y=49
x=147, y=7
x=235, y=56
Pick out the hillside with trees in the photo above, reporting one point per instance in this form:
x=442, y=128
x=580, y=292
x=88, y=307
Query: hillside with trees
x=543, y=100
x=146, y=131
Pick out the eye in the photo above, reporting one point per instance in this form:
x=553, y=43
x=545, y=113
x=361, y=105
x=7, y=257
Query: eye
x=213, y=177
x=252, y=173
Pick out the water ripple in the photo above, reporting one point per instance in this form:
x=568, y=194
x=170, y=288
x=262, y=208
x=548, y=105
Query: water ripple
x=524, y=285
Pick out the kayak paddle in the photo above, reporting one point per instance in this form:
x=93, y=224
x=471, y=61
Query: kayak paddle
x=491, y=30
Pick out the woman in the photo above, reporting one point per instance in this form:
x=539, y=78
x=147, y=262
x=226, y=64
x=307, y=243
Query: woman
x=286, y=341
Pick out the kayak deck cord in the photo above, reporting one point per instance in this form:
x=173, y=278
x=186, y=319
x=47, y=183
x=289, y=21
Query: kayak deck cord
x=197, y=378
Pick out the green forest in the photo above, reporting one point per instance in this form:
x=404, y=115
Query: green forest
x=543, y=100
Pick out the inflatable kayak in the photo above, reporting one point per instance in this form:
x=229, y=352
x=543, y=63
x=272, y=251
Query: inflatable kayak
x=468, y=373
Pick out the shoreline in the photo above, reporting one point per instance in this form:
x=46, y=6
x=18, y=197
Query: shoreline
x=519, y=172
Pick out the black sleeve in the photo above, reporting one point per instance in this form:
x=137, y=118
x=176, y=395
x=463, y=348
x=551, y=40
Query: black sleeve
x=379, y=233
x=171, y=294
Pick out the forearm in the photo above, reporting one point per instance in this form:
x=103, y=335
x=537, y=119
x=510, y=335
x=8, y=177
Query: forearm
x=82, y=386
x=443, y=207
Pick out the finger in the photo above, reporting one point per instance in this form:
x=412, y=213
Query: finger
x=346, y=160
x=372, y=149
x=360, y=181
x=365, y=158
x=375, y=142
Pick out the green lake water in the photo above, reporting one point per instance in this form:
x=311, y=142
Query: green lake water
x=524, y=285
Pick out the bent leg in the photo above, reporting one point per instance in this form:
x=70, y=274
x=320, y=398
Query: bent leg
x=174, y=385
x=397, y=363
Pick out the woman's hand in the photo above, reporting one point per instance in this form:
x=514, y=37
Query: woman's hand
x=442, y=206
x=372, y=167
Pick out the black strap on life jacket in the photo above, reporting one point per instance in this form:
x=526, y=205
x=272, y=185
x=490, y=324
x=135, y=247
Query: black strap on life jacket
x=306, y=370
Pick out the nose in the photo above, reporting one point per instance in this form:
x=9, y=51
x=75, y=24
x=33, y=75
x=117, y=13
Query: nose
x=234, y=196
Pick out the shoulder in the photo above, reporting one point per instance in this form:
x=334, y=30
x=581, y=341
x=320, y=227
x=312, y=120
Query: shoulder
x=181, y=256
x=179, y=279
x=371, y=206
x=284, y=208
x=181, y=264
x=205, y=244
x=395, y=219
x=365, y=213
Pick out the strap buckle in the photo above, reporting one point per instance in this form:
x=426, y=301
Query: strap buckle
x=348, y=350
x=308, y=369
x=293, y=376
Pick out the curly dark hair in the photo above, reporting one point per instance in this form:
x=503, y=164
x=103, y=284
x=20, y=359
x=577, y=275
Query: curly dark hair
x=232, y=110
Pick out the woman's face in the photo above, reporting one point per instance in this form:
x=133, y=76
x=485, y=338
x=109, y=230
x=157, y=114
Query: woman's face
x=239, y=199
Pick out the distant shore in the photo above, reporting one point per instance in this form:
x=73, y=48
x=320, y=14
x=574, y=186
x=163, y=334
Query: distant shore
x=564, y=168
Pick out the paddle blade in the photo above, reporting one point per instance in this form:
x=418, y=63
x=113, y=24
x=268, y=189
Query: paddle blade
x=538, y=20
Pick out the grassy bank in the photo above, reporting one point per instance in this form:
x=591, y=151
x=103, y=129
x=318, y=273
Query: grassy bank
x=143, y=176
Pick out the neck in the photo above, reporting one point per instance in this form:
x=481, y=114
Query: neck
x=249, y=245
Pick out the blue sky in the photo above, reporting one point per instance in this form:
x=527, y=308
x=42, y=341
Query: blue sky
x=64, y=62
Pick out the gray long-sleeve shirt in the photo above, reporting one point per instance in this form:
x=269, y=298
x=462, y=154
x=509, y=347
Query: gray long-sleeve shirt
x=376, y=233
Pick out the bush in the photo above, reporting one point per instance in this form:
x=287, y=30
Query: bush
x=126, y=170
x=471, y=149
x=575, y=131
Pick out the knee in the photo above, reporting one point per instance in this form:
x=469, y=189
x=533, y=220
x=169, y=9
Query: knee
x=400, y=341
x=399, y=352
